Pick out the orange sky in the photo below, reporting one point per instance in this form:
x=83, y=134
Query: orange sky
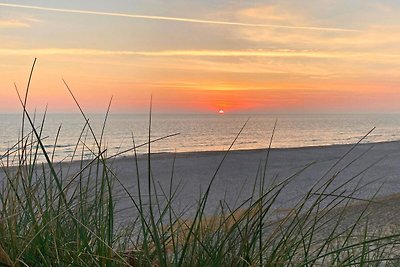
x=261, y=56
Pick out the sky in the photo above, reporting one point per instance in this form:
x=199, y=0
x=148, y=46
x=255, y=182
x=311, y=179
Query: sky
x=202, y=56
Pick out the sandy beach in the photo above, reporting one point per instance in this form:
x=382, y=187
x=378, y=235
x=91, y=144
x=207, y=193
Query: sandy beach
x=375, y=167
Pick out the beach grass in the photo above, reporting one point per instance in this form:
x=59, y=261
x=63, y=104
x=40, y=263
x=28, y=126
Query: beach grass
x=54, y=215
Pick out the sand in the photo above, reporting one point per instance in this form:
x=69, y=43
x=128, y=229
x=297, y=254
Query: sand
x=377, y=171
x=235, y=179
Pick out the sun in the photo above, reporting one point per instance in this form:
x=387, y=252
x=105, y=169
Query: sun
x=221, y=111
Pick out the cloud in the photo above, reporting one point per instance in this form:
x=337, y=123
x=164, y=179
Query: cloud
x=267, y=12
x=172, y=53
x=179, y=19
x=279, y=53
x=379, y=24
x=13, y=24
x=375, y=38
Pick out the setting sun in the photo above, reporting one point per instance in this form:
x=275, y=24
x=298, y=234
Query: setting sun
x=221, y=111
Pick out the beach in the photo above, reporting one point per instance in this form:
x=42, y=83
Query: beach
x=358, y=184
x=364, y=171
x=372, y=169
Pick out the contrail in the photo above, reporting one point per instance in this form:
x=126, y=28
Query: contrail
x=177, y=19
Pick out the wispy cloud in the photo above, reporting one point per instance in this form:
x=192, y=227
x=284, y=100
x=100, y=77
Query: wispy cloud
x=317, y=64
x=286, y=53
x=375, y=39
x=172, y=53
x=13, y=24
x=178, y=19
x=267, y=13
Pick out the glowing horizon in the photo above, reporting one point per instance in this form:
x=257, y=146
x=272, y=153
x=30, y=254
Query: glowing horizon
x=203, y=57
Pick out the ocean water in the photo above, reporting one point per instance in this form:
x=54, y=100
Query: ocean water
x=211, y=132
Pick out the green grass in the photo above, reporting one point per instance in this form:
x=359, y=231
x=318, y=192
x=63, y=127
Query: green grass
x=53, y=216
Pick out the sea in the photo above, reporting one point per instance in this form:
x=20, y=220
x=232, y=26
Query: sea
x=61, y=134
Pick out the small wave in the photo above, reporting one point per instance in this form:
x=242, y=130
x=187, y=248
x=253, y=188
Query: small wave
x=376, y=135
x=247, y=142
x=61, y=146
x=57, y=146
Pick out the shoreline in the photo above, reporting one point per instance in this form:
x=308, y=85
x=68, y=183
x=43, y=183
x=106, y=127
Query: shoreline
x=252, y=150
x=177, y=154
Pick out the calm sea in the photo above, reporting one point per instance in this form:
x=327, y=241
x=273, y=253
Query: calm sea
x=204, y=132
